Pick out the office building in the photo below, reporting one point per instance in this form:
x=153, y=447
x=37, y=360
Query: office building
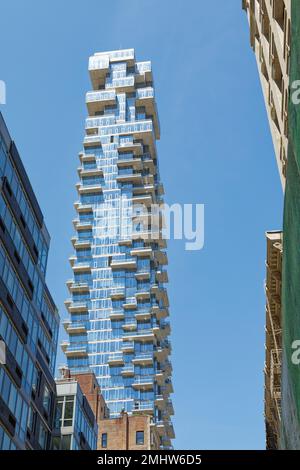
x=29, y=319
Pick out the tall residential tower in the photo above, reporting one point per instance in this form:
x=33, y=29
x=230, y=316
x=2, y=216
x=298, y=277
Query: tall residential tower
x=118, y=307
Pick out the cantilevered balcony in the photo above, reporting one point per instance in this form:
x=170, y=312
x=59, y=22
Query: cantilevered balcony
x=169, y=386
x=127, y=371
x=130, y=146
x=91, y=140
x=80, y=207
x=151, y=236
x=161, y=257
x=80, y=266
x=170, y=407
x=64, y=344
x=143, y=358
x=84, y=173
x=82, y=287
x=125, y=161
x=143, y=199
x=143, y=294
x=161, y=353
x=144, y=189
x=162, y=276
x=88, y=189
x=97, y=100
x=76, y=307
x=159, y=312
x=74, y=327
x=149, y=163
x=98, y=68
x=143, y=315
x=161, y=294
x=166, y=443
x=144, y=72
x=143, y=383
x=129, y=177
x=159, y=377
x=142, y=252
x=143, y=275
x=123, y=263
x=141, y=131
x=76, y=350
x=115, y=359
x=87, y=158
x=144, y=407
x=79, y=243
x=139, y=335
x=160, y=401
x=117, y=293
x=122, y=84
x=127, y=346
x=130, y=303
x=130, y=324
x=160, y=426
x=167, y=367
x=82, y=224
x=145, y=98
x=170, y=430
x=162, y=330
x=117, y=314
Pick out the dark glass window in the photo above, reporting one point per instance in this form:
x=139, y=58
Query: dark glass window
x=68, y=417
x=104, y=440
x=139, y=438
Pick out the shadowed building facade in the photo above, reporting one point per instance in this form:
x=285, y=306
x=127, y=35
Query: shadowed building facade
x=29, y=319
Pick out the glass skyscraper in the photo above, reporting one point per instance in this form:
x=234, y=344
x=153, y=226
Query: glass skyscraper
x=29, y=319
x=118, y=304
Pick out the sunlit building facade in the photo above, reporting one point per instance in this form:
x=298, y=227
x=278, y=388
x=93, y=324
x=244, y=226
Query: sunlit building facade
x=119, y=308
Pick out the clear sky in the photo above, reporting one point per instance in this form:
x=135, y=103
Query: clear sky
x=215, y=149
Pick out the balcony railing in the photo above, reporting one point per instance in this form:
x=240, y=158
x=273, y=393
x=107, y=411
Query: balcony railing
x=92, y=96
x=147, y=357
x=126, y=370
x=147, y=379
x=145, y=93
x=143, y=406
x=128, y=345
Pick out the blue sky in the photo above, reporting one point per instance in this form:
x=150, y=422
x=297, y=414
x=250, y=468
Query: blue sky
x=215, y=149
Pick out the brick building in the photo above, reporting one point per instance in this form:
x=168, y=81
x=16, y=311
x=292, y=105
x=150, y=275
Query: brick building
x=128, y=432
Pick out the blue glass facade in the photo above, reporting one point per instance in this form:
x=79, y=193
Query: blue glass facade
x=29, y=319
x=118, y=306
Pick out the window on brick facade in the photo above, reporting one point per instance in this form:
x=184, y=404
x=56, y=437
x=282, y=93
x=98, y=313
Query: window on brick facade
x=104, y=440
x=139, y=438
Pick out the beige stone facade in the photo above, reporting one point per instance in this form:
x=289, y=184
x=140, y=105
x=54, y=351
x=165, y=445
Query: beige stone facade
x=273, y=340
x=270, y=35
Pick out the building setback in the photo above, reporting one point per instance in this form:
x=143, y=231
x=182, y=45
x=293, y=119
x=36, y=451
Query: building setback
x=29, y=319
x=118, y=307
